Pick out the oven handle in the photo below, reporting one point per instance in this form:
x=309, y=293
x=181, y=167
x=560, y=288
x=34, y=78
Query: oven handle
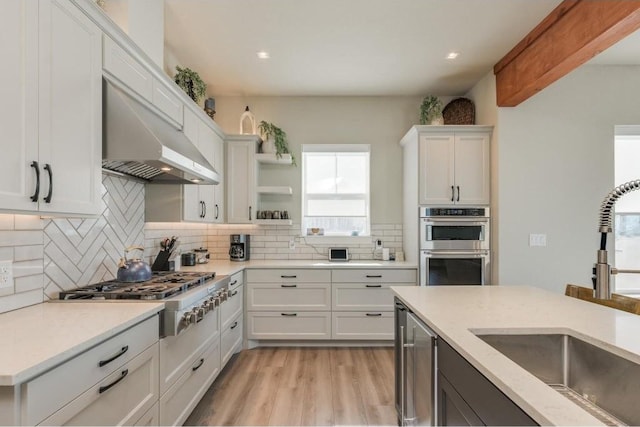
x=455, y=254
x=455, y=221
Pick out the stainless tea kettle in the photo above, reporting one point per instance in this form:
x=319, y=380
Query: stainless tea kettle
x=133, y=270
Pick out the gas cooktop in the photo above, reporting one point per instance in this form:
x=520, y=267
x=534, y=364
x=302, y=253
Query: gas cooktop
x=160, y=286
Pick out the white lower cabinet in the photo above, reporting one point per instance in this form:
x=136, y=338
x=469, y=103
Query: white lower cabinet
x=323, y=304
x=178, y=402
x=97, y=367
x=120, y=399
x=270, y=325
x=231, y=339
x=361, y=325
x=232, y=307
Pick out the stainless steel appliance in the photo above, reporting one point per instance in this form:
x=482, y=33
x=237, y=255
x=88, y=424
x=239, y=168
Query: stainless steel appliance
x=454, y=246
x=415, y=366
x=239, y=247
x=188, y=297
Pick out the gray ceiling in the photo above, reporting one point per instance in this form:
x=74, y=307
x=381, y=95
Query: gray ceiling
x=346, y=47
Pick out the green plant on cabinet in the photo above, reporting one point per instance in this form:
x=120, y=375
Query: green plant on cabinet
x=279, y=137
x=190, y=82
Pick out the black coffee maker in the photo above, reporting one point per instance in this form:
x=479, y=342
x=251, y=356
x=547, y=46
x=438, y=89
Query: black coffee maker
x=239, y=247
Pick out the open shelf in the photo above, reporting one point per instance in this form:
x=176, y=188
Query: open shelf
x=273, y=221
x=273, y=159
x=274, y=190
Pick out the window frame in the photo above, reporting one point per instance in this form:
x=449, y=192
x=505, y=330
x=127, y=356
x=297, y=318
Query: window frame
x=336, y=148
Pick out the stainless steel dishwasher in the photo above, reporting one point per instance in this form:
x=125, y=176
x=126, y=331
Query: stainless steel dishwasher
x=415, y=365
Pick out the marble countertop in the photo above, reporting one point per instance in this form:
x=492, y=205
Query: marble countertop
x=37, y=338
x=231, y=267
x=455, y=313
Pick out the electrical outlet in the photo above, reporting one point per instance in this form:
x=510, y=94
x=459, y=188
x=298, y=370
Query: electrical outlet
x=537, y=240
x=292, y=244
x=378, y=244
x=6, y=274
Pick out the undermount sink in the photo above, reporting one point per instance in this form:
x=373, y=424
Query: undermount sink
x=603, y=383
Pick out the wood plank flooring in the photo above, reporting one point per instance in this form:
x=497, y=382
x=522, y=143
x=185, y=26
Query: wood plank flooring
x=303, y=387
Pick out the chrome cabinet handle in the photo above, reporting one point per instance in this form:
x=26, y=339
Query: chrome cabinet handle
x=195, y=368
x=458, y=199
x=47, y=167
x=402, y=375
x=35, y=165
x=122, y=351
x=107, y=387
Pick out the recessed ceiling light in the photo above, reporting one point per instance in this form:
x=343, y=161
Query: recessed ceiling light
x=263, y=54
x=453, y=55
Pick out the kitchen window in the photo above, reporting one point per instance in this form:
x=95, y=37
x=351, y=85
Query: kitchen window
x=627, y=211
x=335, y=190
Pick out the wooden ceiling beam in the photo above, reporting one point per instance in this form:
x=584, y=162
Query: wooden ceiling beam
x=573, y=33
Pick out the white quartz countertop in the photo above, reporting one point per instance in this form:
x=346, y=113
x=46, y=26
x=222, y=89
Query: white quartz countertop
x=231, y=267
x=37, y=338
x=455, y=313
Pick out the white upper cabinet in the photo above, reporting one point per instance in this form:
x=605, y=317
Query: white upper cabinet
x=51, y=109
x=454, y=167
x=241, y=177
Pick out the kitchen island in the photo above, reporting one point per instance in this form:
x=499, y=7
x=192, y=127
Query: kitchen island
x=459, y=314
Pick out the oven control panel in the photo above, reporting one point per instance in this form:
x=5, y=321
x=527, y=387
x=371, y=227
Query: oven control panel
x=479, y=212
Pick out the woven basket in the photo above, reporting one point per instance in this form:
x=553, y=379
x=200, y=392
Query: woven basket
x=460, y=111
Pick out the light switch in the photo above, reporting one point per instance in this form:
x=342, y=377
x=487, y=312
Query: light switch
x=537, y=240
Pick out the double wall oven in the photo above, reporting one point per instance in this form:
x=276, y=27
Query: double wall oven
x=454, y=246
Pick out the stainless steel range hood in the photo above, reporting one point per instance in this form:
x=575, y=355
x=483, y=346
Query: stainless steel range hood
x=137, y=142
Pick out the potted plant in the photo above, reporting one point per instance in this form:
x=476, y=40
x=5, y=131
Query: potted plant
x=190, y=82
x=272, y=134
x=431, y=111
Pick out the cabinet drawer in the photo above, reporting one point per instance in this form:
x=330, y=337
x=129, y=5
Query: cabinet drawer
x=178, y=402
x=376, y=275
x=47, y=393
x=373, y=325
x=167, y=102
x=289, y=296
x=231, y=340
x=363, y=296
x=125, y=68
x=119, y=399
x=177, y=352
x=232, y=307
x=288, y=276
x=236, y=280
x=313, y=325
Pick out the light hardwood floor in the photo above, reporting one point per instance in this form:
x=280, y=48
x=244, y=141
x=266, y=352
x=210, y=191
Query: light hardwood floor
x=302, y=386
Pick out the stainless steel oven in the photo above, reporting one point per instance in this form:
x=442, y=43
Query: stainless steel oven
x=454, y=246
x=454, y=228
x=439, y=268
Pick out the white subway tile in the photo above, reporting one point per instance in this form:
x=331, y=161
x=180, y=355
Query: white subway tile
x=24, y=253
x=28, y=222
x=20, y=300
x=29, y=283
x=6, y=222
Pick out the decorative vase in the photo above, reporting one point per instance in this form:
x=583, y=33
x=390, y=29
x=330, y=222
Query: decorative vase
x=437, y=121
x=268, y=146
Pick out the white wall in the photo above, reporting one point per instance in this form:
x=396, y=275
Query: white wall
x=554, y=166
x=379, y=121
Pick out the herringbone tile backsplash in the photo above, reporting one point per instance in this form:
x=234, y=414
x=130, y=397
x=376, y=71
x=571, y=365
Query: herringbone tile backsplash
x=78, y=252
